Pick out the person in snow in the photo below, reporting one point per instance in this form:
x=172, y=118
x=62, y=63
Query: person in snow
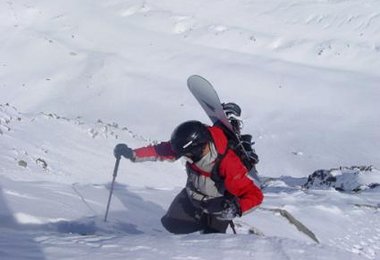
x=217, y=188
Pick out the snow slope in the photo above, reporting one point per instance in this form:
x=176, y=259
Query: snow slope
x=78, y=77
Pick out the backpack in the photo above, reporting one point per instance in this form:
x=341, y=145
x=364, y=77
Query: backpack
x=241, y=144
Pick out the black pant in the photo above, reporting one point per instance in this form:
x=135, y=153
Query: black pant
x=183, y=218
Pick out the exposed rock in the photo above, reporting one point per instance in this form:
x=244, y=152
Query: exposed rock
x=292, y=220
x=22, y=163
x=42, y=163
x=346, y=179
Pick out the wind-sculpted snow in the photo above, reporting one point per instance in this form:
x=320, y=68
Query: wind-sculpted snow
x=72, y=213
x=78, y=77
x=332, y=31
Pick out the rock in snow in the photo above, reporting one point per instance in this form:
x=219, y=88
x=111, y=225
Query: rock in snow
x=348, y=179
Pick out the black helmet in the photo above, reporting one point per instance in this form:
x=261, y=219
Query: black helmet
x=189, y=138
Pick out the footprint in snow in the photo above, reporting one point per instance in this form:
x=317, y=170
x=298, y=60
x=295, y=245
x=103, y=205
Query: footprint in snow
x=183, y=24
x=142, y=8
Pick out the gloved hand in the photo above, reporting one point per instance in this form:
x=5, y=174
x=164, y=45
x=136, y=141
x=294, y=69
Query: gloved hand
x=123, y=150
x=231, y=210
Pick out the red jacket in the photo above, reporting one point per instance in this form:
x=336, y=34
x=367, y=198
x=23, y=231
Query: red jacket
x=231, y=169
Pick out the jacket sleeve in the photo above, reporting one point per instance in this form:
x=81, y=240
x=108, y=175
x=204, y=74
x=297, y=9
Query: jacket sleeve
x=238, y=184
x=158, y=152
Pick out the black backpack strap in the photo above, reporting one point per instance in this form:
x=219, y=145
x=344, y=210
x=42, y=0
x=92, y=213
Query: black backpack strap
x=215, y=176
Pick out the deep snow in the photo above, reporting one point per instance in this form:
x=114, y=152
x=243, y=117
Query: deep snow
x=78, y=77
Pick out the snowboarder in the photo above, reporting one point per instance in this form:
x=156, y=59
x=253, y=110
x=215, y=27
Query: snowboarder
x=217, y=188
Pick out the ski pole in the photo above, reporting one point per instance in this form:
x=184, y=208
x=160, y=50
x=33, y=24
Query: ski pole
x=113, y=182
x=232, y=224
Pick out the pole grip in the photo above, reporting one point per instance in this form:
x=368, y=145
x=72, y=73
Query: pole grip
x=116, y=168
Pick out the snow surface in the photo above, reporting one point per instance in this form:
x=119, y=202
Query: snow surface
x=78, y=77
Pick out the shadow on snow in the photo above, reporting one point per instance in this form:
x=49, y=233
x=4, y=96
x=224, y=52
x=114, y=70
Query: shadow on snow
x=139, y=217
x=16, y=243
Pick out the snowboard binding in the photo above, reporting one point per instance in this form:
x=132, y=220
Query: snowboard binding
x=233, y=113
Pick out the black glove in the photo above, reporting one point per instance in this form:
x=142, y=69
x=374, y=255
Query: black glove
x=231, y=210
x=123, y=150
x=213, y=206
